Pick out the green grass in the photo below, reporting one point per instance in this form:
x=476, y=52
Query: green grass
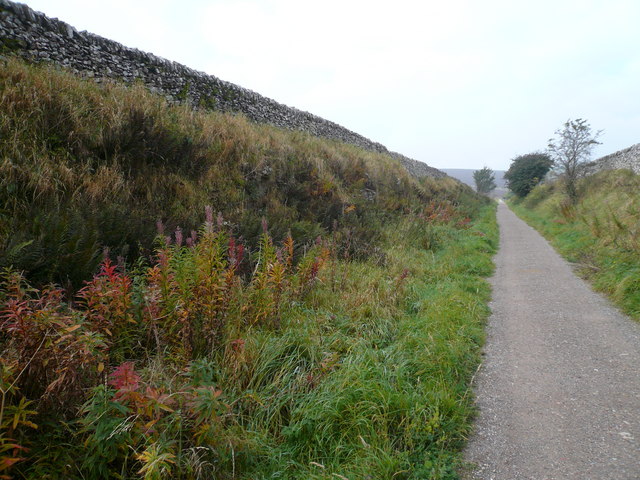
x=600, y=234
x=365, y=374
x=399, y=405
x=367, y=377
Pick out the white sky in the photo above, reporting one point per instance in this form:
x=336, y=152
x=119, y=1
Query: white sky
x=453, y=83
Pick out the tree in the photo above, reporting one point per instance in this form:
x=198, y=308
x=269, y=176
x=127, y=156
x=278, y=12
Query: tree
x=570, y=150
x=526, y=171
x=485, y=180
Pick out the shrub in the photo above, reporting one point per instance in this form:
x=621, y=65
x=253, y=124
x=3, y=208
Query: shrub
x=526, y=171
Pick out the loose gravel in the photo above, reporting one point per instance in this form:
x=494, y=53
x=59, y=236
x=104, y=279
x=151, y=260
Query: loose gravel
x=559, y=388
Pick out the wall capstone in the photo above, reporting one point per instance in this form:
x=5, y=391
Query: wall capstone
x=37, y=38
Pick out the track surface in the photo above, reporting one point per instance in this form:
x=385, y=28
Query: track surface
x=559, y=389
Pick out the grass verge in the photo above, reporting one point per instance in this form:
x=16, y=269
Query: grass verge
x=365, y=376
x=230, y=351
x=600, y=235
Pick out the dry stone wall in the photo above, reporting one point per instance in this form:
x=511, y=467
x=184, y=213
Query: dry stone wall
x=628, y=158
x=36, y=37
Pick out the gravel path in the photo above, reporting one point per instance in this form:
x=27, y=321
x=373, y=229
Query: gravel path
x=559, y=389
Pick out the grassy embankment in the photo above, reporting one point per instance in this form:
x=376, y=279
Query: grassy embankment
x=600, y=234
x=342, y=350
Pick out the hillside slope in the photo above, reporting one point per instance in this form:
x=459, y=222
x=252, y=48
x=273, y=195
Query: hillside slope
x=325, y=324
x=110, y=161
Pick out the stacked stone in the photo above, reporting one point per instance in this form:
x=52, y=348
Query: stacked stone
x=628, y=158
x=416, y=168
x=36, y=37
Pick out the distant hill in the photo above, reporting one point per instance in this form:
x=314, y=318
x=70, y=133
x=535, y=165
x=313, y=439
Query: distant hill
x=466, y=176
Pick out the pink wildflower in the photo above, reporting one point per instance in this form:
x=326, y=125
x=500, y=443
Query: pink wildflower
x=208, y=214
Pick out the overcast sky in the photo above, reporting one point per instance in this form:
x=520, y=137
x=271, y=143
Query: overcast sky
x=454, y=83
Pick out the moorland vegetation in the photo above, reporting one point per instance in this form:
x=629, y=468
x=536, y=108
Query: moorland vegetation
x=186, y=294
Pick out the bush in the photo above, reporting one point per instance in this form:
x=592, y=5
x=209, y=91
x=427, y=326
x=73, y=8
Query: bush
x=526, y=171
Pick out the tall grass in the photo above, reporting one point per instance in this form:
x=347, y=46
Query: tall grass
x=86, y=166
x=324, y=325
x=600, y=234
x=365, y=372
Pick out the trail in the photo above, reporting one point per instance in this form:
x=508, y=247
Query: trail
x=559, y=389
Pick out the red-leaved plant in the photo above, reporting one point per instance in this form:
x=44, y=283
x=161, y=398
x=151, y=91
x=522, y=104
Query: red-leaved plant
x=107, y=300
x=50, y=343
